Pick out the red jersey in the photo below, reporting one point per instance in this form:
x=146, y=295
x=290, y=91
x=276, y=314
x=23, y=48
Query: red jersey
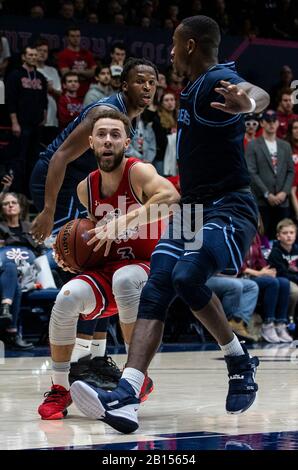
x=77, y=60
x=136, y=244
x=69, y=107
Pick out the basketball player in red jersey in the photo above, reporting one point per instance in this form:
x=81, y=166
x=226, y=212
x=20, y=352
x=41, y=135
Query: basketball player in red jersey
x=121, y=190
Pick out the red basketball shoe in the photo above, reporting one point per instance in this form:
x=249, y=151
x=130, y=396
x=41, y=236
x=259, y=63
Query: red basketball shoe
x=55, y=403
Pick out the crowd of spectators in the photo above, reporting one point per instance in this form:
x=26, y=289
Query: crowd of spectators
x=248, y=18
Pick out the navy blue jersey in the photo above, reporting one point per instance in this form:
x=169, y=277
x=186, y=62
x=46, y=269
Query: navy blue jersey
x=210, y=148
x=85, y=162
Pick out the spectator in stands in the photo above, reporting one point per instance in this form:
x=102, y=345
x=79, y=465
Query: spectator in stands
x=271, y=168
x=175, y=84
x=70, y=104
x=118, y=54
x=116, y=71
x=92, y=18
x=50, y=129
x=173, y=14
x=102, y=87
x=17, y=245
x=143, y=144
x=284, y=258
x=252, y=125
x=4, y=55
x=275, y=291
x=239, y=298
x=80, y=9
x=286, y=78
x=26, y=98
x=292, y=138
x=161, y=87
x=75, y=59
x=164, y=124
x=285, y=112
x=37, y=12
x=67, y=10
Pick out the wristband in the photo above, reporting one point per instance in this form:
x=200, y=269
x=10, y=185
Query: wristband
x=253, y=105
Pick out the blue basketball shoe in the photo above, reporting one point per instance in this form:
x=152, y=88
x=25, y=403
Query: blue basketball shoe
x=118, y=408
x=242, y=387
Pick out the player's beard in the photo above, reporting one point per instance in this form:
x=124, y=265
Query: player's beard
x=111, y=163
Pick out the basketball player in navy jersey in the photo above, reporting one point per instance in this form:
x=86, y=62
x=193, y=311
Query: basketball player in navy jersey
x=61, y=167
x=212, y=173
x=68, y=159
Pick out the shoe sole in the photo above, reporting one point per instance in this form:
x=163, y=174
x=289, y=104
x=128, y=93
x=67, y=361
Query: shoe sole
x=55, y=416
x=86, y=400
x=238, y=412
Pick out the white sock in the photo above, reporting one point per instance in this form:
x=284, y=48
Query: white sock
x=233, y=348
x=98, y=347
x=60, y=371
x=135, y=378
x=126, y=347
x=81, y=349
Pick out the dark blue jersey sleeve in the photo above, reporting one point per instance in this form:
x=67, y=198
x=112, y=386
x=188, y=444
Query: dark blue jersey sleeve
x=206, y=94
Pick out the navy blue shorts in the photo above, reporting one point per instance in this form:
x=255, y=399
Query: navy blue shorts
x=225, y=229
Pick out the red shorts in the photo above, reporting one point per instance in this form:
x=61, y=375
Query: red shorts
x=101, y=282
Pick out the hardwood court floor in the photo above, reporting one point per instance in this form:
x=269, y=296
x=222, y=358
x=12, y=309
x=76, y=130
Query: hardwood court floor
x=186, y=410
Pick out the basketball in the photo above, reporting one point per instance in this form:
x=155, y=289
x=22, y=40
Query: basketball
x=72, y=248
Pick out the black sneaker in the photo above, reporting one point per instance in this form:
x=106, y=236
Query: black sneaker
x=15, y=341
x=78, y=370
x=5, y=315
x=106, y=367
x=242, y=387
x=95, y=379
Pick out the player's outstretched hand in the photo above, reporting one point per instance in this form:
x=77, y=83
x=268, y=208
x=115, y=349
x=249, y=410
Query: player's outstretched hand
x=236, y=99
x=42, y=225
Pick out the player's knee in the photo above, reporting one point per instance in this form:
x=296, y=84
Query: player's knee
x=64, y=317
x=128, y=279
x=189, y=281
x=127, y=284
x=156, y=296
x=186, y=275
x=68, y=300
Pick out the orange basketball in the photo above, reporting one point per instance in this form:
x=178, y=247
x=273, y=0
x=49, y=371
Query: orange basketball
x=72, y=248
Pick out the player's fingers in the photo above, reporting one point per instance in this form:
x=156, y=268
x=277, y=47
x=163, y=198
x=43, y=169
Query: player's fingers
x=222, y=91
x=92, y=231
x=232, y=88
x=108, y=247
x=225, y=83
x=217, y=105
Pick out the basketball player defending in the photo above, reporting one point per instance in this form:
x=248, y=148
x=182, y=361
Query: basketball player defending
x=212, y=172
x=117, y=286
